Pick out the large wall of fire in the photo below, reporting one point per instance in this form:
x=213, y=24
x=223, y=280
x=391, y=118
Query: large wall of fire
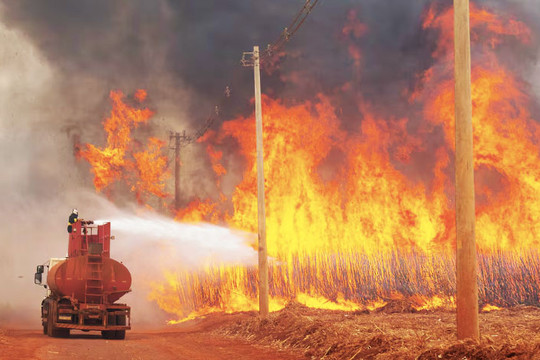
x=349, y=225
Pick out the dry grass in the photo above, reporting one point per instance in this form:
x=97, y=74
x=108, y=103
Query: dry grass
x=505, y=279
x=387, y=334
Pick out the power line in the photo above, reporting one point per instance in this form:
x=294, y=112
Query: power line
x=289, y=31
x=178, y=140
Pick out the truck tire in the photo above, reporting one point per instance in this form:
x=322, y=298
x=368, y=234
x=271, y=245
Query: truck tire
x=62, y=332
x=120, y=320
x=45, y=307
x=53, y=331
x=50, y=322
x=109, y=334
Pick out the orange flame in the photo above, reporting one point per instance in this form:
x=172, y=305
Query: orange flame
x=145, y=172
x=490, y=308
x=330, y=195
x=506, y=152
x=151, y=168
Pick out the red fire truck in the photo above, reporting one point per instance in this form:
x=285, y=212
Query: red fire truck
x=83, y=288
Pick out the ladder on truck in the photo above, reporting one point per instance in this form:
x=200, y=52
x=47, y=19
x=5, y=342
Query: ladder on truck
x=93, y=291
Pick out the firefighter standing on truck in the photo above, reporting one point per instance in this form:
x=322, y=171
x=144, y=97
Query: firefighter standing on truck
x=73, y=218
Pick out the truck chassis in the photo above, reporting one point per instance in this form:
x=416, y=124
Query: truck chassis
x=60, y=315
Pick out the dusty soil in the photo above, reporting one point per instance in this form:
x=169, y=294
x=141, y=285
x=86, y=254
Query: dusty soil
x=194, y=340
x=296, y=332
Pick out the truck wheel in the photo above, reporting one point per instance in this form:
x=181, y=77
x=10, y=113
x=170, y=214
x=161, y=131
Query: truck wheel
x=54, y=331
x=50, y=328
x=120, y=320
x=109, y=334
x=45, y=320
x=63, y=333
x=59, y=333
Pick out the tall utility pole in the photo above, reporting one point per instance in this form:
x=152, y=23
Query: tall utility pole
x=179, y=141
x=176, y=142
x=467, y=288
x=263, y=253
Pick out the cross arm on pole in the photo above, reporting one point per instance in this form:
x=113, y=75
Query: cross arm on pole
x=248, y=59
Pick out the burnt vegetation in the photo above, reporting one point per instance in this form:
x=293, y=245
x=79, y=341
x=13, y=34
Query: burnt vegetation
x=390, y=334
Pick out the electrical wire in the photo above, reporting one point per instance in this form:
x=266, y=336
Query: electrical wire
x=265, y=57
x=289, y=31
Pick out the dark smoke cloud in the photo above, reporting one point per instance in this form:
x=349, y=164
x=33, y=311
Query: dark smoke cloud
x=190, y=50
x=198, y=44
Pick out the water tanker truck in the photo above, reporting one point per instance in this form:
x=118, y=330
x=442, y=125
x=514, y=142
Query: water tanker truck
x=82, y=289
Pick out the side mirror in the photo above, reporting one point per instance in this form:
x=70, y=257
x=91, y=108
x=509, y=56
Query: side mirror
x=37, y=278
x=39, y=269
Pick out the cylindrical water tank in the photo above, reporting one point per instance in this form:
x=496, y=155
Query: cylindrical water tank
x=75, y=276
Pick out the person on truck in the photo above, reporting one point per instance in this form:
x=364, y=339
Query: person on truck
x=73, y=218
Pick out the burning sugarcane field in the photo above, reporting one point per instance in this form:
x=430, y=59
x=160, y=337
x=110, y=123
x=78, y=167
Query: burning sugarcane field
x=301, y=179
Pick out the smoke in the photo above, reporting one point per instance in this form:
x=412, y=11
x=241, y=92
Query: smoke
x=185, y=54
x=531, y=10
x=24, y=77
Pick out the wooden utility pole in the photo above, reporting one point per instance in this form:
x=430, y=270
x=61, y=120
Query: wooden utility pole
x=179, y=140
x=177, y=171
x=176, y=142
x=467, y=288
x=182, y=140
x=263, y=253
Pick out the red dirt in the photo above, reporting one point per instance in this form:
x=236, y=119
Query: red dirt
x=194, y=341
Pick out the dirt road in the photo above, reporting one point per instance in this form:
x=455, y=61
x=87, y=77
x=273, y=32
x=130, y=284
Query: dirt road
x=191, y=341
